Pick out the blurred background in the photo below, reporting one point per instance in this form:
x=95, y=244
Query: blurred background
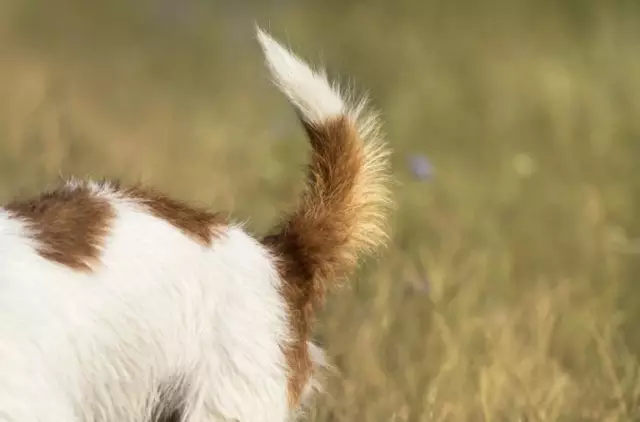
x=508, y=292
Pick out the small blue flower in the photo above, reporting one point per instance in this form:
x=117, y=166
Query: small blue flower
x=421, y=167
x=423, y=286
x=420, y=286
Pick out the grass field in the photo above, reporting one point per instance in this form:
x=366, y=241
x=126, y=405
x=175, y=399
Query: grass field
x=508, y=292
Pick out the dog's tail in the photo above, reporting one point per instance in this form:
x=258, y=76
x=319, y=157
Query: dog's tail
x=342, y=213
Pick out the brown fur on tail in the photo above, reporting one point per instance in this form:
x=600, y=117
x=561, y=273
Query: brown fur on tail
x=341, y=214
x=343, y=210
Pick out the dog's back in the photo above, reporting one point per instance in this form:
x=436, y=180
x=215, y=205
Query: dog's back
x=120, y=304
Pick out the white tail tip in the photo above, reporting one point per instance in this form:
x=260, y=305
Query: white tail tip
x=308, y=90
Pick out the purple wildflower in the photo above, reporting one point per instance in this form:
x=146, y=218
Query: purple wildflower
x=420, y=286
x=421, y=167
x=423, y=285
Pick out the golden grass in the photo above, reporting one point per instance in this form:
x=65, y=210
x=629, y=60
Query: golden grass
x=508, y=292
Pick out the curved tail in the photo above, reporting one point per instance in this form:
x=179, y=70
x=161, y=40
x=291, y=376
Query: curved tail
x=343, y=211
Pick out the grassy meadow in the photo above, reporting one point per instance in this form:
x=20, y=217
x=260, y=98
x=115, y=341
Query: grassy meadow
x=508, y=290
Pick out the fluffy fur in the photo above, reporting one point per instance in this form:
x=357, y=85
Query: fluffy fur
x=122, y=305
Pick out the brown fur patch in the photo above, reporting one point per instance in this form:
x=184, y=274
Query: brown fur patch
x=69, y=225
x=301, y=311
x=199, y=224
x=314, y=245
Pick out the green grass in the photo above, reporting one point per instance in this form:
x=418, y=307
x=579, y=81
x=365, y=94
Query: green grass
x=508, y=291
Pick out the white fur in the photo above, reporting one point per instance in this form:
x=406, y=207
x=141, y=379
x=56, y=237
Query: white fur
x=161, y=308
x=160, y=314
x=309, y=91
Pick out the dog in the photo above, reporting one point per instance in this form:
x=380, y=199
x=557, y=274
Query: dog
x=121, y=304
